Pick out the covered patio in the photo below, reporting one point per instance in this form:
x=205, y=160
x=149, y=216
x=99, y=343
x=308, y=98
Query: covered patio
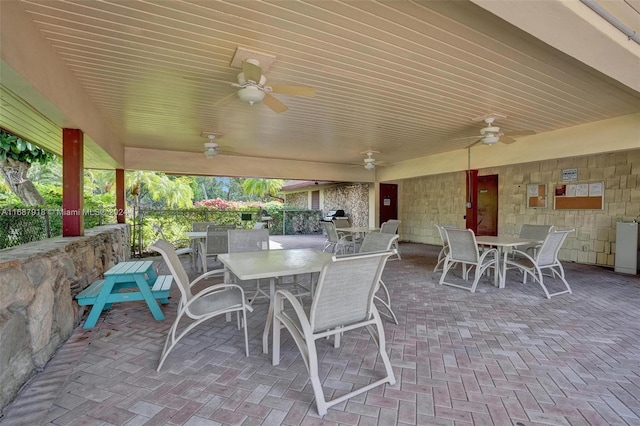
x=497, y=356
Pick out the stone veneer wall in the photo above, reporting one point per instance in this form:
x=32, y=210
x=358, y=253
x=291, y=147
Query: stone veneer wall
x=353, y=199
x=298, y=199
x=38, y=282
x=428, y=200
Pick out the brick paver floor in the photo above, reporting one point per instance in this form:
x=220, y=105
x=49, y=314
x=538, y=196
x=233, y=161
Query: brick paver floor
x=496, y=357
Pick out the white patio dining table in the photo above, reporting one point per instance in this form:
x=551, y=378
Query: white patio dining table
x=502, y=244
x=273, y=264
x=358, y=229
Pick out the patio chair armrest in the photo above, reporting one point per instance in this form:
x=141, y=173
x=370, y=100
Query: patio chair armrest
x=216, y=289
x=297, y=307
x=207, y=275
x=488, y=251
x=523, y=254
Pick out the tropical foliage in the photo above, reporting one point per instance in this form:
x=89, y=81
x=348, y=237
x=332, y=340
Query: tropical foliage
x=263, y=187
x=16, y=157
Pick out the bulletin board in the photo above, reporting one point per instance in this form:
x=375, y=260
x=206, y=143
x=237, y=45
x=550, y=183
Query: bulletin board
x=536, y=195
x=579, y=196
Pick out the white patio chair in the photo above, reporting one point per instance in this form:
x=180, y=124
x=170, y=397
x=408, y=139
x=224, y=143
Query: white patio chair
x=208, y=303
x=343, y=301
x=201, y=226
x=351, y=239
x=463, y=249
x=445, y=245
x=214, y=244
x=246, y=240
x=533, y=232
x=259, y=225
x=341, y=222
x=545, y=258
x=176, y=244
x=336, y=242
x=391, y=227
x=377, y=241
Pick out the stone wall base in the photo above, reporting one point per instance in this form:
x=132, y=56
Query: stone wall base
x=38, y=283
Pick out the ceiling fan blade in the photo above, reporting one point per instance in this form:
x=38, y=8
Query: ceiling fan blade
x=251, y=71
x=467, y=137
x=274, y=103
x=475, y=142
x=226, y=100
x=293, y=90
x=507, y=139
x=516, y=133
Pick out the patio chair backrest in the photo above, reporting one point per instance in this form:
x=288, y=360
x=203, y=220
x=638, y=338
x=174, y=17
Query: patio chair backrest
x=245, y=240
x=548, y=252
x=390, y=226
x=341, y=222
x=535, y=232
x=345, y=290
x=216, y=242
x=175, y=267
x=332, y=233
x=441, y=229
x=377, y=241
x=259, y=225
x=158, y=229
x=462, y=245
x=200, y=226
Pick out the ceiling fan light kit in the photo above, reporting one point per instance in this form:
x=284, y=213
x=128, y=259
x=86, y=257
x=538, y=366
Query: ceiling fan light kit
x=251, y=95
x=490, y=139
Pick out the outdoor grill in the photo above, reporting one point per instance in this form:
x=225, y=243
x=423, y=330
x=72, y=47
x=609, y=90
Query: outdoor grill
x=332, y=214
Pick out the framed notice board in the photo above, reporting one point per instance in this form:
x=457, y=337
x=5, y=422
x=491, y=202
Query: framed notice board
x=579, y=196
x=536, y=195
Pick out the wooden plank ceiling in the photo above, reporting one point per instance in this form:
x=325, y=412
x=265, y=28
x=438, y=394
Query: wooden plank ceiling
x=402, y=78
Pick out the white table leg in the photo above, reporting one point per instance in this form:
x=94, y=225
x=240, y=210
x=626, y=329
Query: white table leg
x=496, y=275
x=267, y=327
x=503, y=275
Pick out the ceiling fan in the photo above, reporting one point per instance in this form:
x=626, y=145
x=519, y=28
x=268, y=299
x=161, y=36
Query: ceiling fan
x=492, y=134
x=370, y=163
x=211, y=148
x=252, y=88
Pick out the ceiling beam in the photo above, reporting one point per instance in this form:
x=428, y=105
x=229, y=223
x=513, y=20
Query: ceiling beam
x=190, y=163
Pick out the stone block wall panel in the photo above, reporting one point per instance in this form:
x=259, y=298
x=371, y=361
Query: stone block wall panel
x=38, y=282
x=429, y=200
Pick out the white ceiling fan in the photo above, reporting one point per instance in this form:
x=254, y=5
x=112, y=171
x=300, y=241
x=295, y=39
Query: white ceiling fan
x=211, y=148
x=252, y=87
x=492, y=134
x=370, y=162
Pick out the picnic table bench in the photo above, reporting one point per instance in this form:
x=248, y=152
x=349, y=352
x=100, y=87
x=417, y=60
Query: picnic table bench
x=126, y=282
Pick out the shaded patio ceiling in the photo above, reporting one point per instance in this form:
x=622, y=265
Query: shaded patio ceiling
x=406, y=79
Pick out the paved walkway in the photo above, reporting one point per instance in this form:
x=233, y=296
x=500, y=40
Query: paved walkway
x=496, y=357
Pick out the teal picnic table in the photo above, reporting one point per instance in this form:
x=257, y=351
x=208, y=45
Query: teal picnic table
x=126, y=282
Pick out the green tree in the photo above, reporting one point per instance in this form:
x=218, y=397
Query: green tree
x=99, y=181
x=16, y=157
x=145, y=187
x=46, y=173
x=263, y=187
x=208, y=188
